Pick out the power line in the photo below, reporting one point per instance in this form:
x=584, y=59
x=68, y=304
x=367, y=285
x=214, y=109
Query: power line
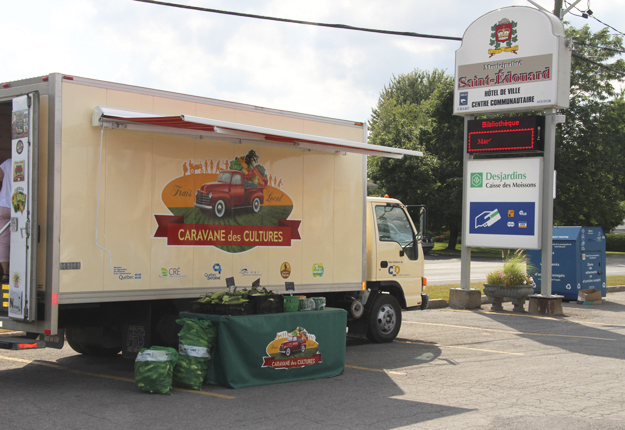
x=603, y=66
x=348, y=27
x=294, y=21
x=607, y=25
x=585, y=14
x=589, y=45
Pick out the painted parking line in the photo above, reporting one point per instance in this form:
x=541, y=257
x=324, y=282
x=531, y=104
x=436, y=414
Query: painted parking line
x=494, y=351
x=521, y=333
x=101, y=375
x=390, y=372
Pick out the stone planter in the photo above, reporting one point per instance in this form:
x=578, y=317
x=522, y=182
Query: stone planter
x=517, y=293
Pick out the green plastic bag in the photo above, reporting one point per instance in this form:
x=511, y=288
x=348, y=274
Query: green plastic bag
x=154, y=369
x=195, y=340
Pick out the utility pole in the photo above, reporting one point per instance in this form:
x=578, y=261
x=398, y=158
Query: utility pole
x=557, y=8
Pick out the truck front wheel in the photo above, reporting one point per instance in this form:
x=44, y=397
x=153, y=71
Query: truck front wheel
x=384, y=319
x=220, y=208
x=256, y=204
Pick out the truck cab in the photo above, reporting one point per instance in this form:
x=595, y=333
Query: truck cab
x=394, y=271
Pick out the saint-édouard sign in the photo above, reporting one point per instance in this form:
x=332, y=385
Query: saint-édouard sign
x=512, y=59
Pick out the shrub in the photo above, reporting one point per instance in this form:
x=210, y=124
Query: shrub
x=615, y=242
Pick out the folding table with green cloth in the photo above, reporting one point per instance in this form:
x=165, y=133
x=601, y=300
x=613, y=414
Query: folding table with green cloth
x=268, y=349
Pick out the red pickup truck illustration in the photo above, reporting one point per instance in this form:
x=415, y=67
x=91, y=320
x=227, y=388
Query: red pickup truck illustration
x=293, y=344
x=231, y=191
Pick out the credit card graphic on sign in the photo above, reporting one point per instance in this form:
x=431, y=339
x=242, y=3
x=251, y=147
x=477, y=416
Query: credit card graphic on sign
x=518, y=218
x=487, y=218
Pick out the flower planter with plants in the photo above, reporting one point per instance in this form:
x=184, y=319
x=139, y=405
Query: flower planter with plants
x=511, y=282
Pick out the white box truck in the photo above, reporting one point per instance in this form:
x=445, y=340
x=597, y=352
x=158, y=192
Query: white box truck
x=128, y=203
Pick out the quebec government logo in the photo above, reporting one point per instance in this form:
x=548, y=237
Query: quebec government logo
x=477, y=180
x=294, y=349
x=503, y=37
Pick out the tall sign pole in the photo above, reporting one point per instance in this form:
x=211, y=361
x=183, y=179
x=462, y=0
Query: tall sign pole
x=465, y=251
x=548, y=196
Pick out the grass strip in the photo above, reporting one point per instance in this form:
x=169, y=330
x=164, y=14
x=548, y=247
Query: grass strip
x=442, y=291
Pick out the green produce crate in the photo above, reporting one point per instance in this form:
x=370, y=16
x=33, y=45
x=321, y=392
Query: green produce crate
x=202, y=308
x=267, y=304
x=226, y=309
x=291, y=304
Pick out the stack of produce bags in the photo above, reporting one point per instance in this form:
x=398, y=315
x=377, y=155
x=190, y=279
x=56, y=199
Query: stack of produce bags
x=195, y=340
x=157, y=368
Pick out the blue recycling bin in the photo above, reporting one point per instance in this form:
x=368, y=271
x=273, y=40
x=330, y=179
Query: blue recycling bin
x=578, y=261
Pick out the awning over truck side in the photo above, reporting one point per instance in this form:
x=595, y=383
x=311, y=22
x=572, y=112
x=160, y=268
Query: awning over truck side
x=240, y=133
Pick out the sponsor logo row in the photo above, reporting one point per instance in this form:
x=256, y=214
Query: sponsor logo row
x=215, y=274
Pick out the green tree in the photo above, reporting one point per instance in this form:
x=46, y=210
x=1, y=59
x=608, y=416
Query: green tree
x=414, y=112
x=443, y=139
x=590, y=159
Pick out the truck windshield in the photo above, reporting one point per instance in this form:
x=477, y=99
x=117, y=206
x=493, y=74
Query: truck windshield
x=224, y=177
x=394, y=226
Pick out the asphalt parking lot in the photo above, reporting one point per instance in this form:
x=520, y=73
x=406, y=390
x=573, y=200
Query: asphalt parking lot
x=448, y=369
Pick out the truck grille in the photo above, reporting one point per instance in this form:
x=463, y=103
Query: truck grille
x=202, y=199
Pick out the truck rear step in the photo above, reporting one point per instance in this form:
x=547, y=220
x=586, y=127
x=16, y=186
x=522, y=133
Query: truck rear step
x=20, y=343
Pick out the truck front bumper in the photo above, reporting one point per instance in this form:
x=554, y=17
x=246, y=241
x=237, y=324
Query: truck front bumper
x=199, y=206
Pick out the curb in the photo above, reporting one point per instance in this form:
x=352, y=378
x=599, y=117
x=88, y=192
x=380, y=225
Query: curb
x=442, y=303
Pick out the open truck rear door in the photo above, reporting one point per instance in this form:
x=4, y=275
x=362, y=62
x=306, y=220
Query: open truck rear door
x=22, y=271
x=22, y=284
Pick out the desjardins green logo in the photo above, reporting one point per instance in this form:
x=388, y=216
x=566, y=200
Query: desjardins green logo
x=477, y=180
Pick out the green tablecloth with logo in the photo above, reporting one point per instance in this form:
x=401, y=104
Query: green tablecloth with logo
x=267, y=349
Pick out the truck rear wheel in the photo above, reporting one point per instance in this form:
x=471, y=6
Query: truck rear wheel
x=220, y=208
x=88, y=349
x=384, y=319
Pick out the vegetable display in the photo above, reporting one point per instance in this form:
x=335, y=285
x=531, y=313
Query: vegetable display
x=154, y=369
x=257, y=300
x=226, y=298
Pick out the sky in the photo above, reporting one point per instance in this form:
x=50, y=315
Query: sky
x=314, y=70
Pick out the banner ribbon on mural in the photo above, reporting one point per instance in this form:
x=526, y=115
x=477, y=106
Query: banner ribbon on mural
x=285, y=363
x=178, y=233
